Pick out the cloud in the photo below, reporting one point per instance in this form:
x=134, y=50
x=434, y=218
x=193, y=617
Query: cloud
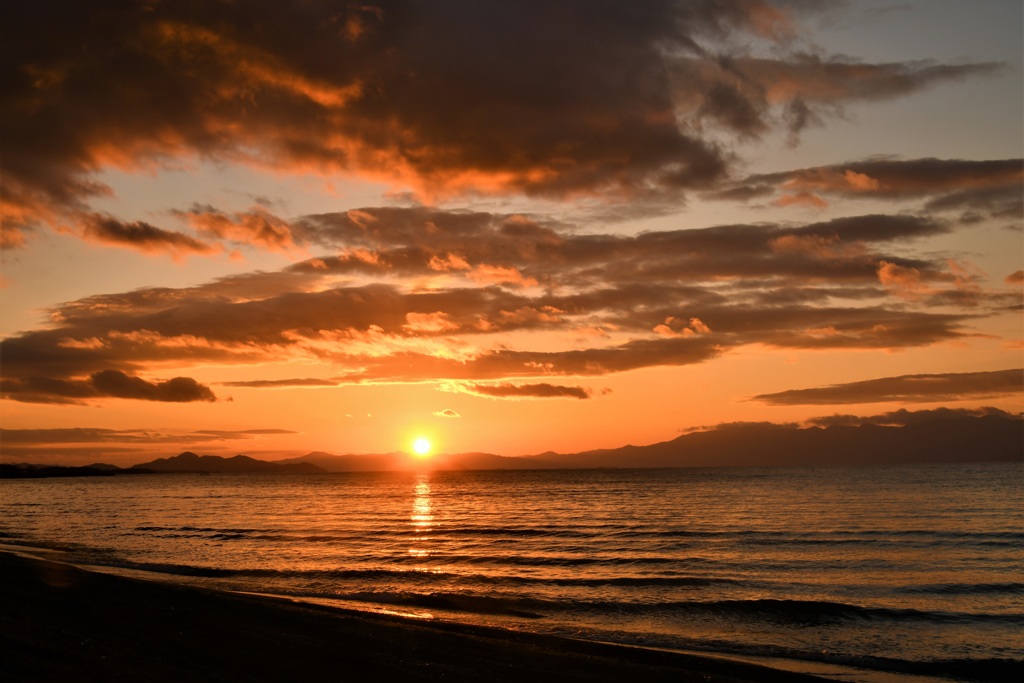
x=382, y=309
x=240, y=433
x=751, y=95
x=256, y=226
x=140, y=235
x=447, y=412
x=104, y=384
x=436, y=97
x=903, y=417
x=907, y=388
x=986, y=187
x=87, y=445
x=514, y=391
x=277, y=383
x=84, y=435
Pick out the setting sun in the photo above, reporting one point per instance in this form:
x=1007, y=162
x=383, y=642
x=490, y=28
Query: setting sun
x=421, y=447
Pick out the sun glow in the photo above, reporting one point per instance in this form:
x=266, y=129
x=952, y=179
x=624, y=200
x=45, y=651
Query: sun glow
x=421, y=447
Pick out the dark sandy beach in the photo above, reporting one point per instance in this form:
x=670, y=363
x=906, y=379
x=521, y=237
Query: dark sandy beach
x=59, y=622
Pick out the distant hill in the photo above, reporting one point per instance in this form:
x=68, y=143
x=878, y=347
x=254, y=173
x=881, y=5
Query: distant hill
x=944, y=439
x=191, y=462
x=29, y=471
x=950, y=436
x=960, y=439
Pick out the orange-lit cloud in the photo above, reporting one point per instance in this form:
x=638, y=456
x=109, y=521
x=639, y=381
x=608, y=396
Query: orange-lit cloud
x=256, y=226
x=673, y=297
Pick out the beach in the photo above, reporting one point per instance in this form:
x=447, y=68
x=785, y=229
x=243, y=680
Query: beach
x=61, y=622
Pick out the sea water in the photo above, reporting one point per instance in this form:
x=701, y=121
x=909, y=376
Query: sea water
x=910, y=569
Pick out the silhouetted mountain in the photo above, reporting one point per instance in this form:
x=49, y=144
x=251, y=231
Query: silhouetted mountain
x=959, y=439
x=27, y=471
x=191, y=462
x=944, y=439
x=349, y=463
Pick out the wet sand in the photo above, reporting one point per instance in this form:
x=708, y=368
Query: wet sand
x=59, y=622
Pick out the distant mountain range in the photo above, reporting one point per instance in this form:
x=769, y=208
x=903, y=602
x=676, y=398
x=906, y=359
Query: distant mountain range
x=944, y=439
x=190, y=462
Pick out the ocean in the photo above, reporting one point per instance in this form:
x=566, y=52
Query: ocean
x=914, y=570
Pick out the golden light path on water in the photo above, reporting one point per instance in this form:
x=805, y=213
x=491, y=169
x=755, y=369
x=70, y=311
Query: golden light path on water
x=422, y=519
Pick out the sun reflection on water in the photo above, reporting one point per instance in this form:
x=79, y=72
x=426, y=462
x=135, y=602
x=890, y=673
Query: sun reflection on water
x=422, y=518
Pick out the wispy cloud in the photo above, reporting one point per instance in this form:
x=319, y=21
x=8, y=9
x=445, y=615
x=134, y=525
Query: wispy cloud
x=282, y=383
x=982, y=188
x=542, y=390
x=951, y=386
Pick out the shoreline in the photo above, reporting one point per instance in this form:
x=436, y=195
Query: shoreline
x=63, y=622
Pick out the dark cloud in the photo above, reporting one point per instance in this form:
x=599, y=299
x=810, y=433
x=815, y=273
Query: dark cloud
x=986, y=187
x=140, y=235
x=524, y=390
x=510, y=249
x=81, y=435
x=447, y=412
x=903, y=417
x=73, y=435
x=750, y=95
x=104, y=384
x=439, y=96
x=907, y=388
x=1006, y=201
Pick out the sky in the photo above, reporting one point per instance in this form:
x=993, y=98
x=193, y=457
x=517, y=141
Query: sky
x=511, y=227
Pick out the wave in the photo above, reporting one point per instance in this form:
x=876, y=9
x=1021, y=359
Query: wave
x=1011, y=588
x=618, y=532
x=780, y=611
x=453, y=602
x=421, y=577
x=817, y=612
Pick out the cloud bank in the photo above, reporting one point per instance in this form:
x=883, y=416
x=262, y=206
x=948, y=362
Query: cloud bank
x=624, y=105
x=420, y=294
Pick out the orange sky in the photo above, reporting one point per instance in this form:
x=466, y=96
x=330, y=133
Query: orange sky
x=270, y=228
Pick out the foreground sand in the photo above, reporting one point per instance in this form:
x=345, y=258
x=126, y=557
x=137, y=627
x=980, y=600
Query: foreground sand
x=58, y=622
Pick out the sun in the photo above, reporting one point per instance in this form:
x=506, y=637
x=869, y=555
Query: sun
x=421, y=446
